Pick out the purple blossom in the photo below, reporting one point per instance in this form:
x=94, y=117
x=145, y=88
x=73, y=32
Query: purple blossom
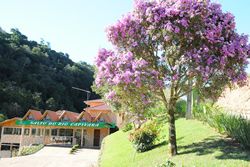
x=208, y=47
x=184, y=22
x=111, y=95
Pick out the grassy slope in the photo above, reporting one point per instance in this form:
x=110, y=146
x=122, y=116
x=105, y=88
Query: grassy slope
x=199, y=145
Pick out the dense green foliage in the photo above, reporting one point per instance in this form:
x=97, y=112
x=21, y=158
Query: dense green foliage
x=199, y=145
x=127, y=127
x=74, y=149
x=27, y=150
x=2, y=117
x=32, y=75
x=144, y=138
x=232, y=125
x=181, y=108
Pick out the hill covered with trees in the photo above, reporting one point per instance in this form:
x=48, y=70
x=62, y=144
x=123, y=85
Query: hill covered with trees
x=32, y=75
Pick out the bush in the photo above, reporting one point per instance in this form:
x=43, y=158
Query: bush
x=234, y=126
x=74, y=149
x=27, y=150
x=143, y=139
x=127, y=127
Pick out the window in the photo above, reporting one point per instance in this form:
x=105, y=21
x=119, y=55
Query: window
x=68, y=132
x=33, y=132
x=38, y=133
x=30, y=117
x=65, y=132
x=46, y=132
x=84, y=132
x=101, y=120
x=26, y=132
x=65, y=119
x=15, y=145
x=5, y=146
x=61, y=132
x=53, y=132
x=12, y=131
x=8, y=131
x=17, y=131
x=84, y=120
x=78, y=133
x=47, y=118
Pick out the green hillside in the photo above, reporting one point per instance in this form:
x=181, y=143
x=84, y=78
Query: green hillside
x=32, y=75
x=198, y=145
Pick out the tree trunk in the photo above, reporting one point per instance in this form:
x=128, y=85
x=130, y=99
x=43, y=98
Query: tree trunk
x=171, y=107
x=172, y=132
x=189, y=101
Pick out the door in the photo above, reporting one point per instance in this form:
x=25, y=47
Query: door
x=78, y=136
x=97, y=137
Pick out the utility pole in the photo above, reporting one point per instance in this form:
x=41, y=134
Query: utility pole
x=88, y=92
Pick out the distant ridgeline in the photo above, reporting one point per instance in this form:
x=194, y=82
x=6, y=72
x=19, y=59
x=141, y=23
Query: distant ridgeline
x=32, y=75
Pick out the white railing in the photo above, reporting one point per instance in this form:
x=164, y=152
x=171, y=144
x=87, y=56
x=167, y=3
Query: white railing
x=61, y=139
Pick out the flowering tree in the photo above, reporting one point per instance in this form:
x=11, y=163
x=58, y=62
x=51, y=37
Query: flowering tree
x=165, y=44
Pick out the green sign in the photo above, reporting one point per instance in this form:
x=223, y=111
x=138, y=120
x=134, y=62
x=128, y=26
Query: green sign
x=71, y=124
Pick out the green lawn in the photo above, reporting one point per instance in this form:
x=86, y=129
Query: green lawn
x=198, y=145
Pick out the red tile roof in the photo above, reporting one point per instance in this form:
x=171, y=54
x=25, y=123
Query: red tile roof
x=72, y=116
x=52, y=115
x=85, y=115
x=94, y=102
x=37, y=115
x=104, y=116
x=102, y=107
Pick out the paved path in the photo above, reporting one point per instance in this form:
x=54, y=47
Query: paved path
x=54, y=157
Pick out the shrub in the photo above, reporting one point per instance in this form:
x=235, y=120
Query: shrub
x=232, y=125
x=74, y=149
x=127, y=127
x=27, y=150
x=143, y=139
x=236, y=127
x=14, y=153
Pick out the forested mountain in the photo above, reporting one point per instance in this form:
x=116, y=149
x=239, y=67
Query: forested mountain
x=32, y=75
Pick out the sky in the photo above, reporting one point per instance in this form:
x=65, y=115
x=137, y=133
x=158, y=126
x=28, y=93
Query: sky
x=77, y=27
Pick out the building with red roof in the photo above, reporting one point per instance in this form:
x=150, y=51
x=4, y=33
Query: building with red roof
x=87, y=129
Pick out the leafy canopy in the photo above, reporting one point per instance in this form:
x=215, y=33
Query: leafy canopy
x=166, y=43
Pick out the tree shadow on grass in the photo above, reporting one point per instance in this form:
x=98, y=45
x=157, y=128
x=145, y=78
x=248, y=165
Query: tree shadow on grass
x=159, y=145
x=163, y=143
x=229, y=148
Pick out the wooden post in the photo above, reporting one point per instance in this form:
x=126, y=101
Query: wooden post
x=82, y=138
x=1, y=138
x=44, y=136
x=74, y=137
x=21, y=137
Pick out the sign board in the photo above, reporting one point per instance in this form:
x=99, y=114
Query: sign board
x=68, y=124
